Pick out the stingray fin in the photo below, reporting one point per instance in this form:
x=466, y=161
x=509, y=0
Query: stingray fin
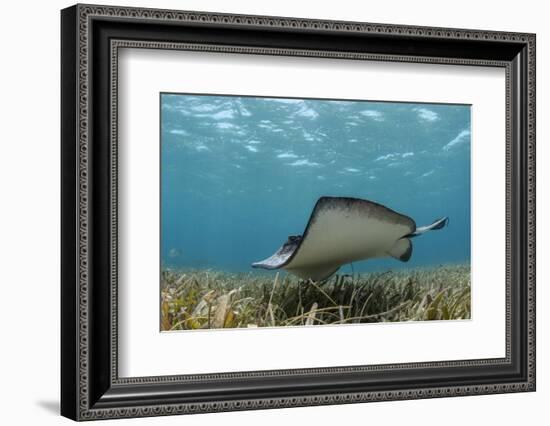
x=401, y=250
x=439, y=223
x=434, y=226
x=280, y=257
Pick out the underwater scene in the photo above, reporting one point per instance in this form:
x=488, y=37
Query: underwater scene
x=289, y=212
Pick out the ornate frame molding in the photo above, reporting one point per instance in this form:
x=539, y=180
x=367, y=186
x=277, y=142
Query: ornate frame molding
x=79, y=21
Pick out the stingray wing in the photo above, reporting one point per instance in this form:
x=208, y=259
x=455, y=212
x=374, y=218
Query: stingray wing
x=280, y=257
x=343, y=230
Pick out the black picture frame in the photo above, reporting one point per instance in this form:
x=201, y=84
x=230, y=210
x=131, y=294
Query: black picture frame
x=90, y=386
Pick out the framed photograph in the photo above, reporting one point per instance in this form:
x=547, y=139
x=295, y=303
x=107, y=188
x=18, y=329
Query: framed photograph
x=263, y=212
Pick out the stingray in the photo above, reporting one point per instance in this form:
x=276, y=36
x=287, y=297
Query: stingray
x=342, y=230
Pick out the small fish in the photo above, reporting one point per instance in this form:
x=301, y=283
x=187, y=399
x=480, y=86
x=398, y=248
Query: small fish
x=174, y=252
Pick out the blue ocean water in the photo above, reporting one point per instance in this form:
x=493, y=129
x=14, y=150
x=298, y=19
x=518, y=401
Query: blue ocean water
x=240, y=174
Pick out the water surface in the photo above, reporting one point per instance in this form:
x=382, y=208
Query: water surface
x=240, y=174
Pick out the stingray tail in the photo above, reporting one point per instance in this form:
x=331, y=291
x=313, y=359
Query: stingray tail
x=437, y=224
